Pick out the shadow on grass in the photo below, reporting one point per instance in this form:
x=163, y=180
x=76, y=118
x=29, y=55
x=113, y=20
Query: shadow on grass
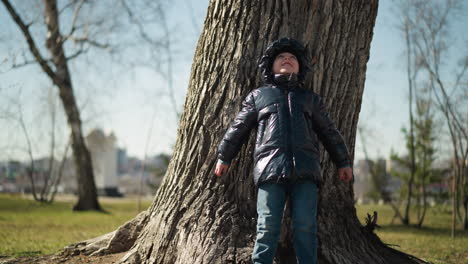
x=438, y=231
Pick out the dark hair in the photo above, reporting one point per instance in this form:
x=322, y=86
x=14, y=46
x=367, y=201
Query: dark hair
x=279, y=46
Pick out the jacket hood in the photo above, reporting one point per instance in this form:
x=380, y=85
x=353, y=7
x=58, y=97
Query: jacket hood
x=284, y=45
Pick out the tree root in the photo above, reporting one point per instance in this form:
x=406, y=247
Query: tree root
x=117, y=241
x=371, y=225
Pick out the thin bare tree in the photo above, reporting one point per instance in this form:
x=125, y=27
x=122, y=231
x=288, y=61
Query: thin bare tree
x=44, y=181
x=412, y=70
x=56, y=67
x=431, y=31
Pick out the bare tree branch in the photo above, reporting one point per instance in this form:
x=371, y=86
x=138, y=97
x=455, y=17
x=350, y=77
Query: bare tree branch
x=26, y=63
x=196, y=29
x=76, y=54
x=137, y=22
x=68, y=5
x=29, y=39
x=89, y=41
x=165, y=44
x=75, y=17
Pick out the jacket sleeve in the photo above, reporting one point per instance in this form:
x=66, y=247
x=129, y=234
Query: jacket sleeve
x=329, y=135
x=238, y=130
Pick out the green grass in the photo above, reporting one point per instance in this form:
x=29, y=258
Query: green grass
x=30, y=228
x=432, y=242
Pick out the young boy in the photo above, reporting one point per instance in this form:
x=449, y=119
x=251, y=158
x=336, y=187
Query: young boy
x=290, y=120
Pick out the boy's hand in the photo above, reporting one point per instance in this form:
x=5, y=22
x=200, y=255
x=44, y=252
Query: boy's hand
x=346, y=174
x=221, y=169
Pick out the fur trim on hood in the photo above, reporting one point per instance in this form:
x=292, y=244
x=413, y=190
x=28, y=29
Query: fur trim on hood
x=284, y=45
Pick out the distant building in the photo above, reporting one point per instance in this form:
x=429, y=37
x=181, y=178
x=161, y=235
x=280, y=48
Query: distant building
x=104, y=156
x=115, y=172
x=10, y=172
x=362, y=180
x=122, y=161
x=365, y=186
x=143, y=177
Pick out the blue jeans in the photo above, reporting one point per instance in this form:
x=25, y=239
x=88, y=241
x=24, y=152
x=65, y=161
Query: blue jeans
x=270, y=206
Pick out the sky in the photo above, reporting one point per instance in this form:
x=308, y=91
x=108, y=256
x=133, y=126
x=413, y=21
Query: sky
x=133, y=104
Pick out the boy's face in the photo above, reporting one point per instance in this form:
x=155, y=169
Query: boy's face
x=285, y=63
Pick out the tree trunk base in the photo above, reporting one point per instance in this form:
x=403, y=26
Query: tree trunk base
x=117, y=241
x=371, y=249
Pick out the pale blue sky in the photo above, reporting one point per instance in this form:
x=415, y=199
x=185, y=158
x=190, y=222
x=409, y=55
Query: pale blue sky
x=124, y=102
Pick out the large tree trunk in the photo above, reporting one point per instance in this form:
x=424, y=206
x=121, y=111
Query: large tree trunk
x=199, y=218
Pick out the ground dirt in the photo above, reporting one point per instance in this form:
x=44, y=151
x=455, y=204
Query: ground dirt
x=58, y=259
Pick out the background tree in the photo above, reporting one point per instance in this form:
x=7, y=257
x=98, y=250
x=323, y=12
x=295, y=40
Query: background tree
x=107, y=26
x=430, y=36
x=425, y=127
x=197, y=218
x=424, y=152
x=57, y=69
x=411, y=71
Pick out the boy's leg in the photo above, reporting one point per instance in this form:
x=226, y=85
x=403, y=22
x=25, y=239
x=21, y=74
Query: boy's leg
x=304, y=218
x=270, y=205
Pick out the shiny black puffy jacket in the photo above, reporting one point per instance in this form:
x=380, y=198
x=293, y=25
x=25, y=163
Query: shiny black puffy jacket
x=289, y=122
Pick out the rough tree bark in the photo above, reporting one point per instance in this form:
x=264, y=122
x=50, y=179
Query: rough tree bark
x=199, y=218
x=61, y=77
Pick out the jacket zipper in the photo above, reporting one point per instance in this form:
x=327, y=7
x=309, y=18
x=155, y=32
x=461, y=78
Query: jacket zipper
x=289, y=140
